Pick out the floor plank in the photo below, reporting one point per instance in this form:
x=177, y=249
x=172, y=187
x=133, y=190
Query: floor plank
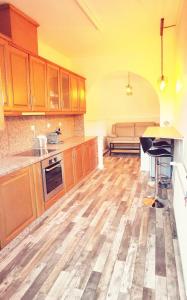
x=99, y=242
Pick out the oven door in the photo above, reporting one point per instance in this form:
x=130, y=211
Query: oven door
x=52, y=179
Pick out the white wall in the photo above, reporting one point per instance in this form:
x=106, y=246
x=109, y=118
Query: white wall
x=180, y=121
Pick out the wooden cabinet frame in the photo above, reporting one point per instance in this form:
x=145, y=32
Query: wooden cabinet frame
x=16, y=213
x=57, y=69
x=19, y=93
x=21, y=96
x=36, y=103
x=4, y=75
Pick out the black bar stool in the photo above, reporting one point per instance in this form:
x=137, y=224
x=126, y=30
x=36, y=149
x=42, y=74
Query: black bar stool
x=156, y=152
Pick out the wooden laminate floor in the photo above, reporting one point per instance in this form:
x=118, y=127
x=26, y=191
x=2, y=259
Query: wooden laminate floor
x=100, y=243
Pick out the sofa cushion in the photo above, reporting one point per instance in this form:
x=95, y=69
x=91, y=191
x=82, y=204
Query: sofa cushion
x=140, y=127
x=123, y=139
x=123, y=129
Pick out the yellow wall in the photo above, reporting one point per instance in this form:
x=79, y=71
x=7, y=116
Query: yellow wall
x=107, y=75
x=55, y=56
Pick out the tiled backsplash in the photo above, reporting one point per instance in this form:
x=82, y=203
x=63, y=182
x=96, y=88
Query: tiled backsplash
x=17, y=135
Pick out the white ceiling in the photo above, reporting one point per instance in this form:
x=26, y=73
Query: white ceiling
x=98, y=27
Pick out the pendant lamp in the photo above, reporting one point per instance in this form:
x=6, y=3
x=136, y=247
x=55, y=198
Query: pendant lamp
x=162, y=80
x=128, y=86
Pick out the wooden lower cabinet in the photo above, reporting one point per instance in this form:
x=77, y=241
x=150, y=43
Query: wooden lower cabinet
x=86, y=159
x=17, y=203
x=68, y=169
x=21, y=192
x=73, y=168
x=93, y=156
x=79, y=162
x=38, y=188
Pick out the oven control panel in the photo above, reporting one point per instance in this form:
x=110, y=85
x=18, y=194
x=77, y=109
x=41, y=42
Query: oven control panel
x=53, y=160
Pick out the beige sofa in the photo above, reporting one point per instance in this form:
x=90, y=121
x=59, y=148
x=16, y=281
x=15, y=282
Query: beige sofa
x=125, y=136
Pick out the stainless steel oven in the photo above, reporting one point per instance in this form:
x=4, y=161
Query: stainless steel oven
x=52, y=172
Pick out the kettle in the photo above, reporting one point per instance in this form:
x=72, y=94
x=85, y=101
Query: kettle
x=40, y=142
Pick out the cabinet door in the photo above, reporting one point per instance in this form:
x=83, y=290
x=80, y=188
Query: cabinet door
x=17, y=203
x=78, y=166
x=65, y=90
x=53, y=88
x=86, y=158
x=82, y=98
x=19, y=80
x=38, y=84
x=3, y=73
x=68, y=169
x=74, y=93
x=38, y=186
x=3, y=82
x=93, y=154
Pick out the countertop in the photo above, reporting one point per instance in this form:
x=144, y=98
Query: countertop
x=11, y=163
x=163, y=132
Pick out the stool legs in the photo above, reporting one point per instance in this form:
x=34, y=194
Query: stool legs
x=157, y=203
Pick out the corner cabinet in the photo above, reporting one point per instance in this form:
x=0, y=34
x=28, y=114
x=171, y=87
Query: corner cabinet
x=3, y=81
x=19, y=87
x=16, y=212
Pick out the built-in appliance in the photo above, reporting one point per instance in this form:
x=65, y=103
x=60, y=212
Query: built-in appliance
x=52, y=172
x=35, y=152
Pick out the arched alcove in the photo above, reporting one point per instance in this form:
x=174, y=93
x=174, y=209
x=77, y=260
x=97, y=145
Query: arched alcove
x=107, y=101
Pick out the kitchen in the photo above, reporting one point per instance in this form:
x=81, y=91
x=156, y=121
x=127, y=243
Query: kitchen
x=85, y=218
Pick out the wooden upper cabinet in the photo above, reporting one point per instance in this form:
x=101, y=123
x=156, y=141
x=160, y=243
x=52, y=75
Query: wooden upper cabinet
x=81, y=95
x=19, y=27
x=3, y=82
x=17, y=203
x=74, y=93
x=19, y=88
x=65, y=90
x=77, y=89
x=53, y=87
x=38, y=84
x=3, y=72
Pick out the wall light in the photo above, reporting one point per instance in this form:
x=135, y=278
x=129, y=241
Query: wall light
x=128, y=86
x=162, y=80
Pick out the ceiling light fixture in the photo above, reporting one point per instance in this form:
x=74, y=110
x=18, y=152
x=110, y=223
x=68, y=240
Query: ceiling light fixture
x=162, y=79
x=128, y=86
